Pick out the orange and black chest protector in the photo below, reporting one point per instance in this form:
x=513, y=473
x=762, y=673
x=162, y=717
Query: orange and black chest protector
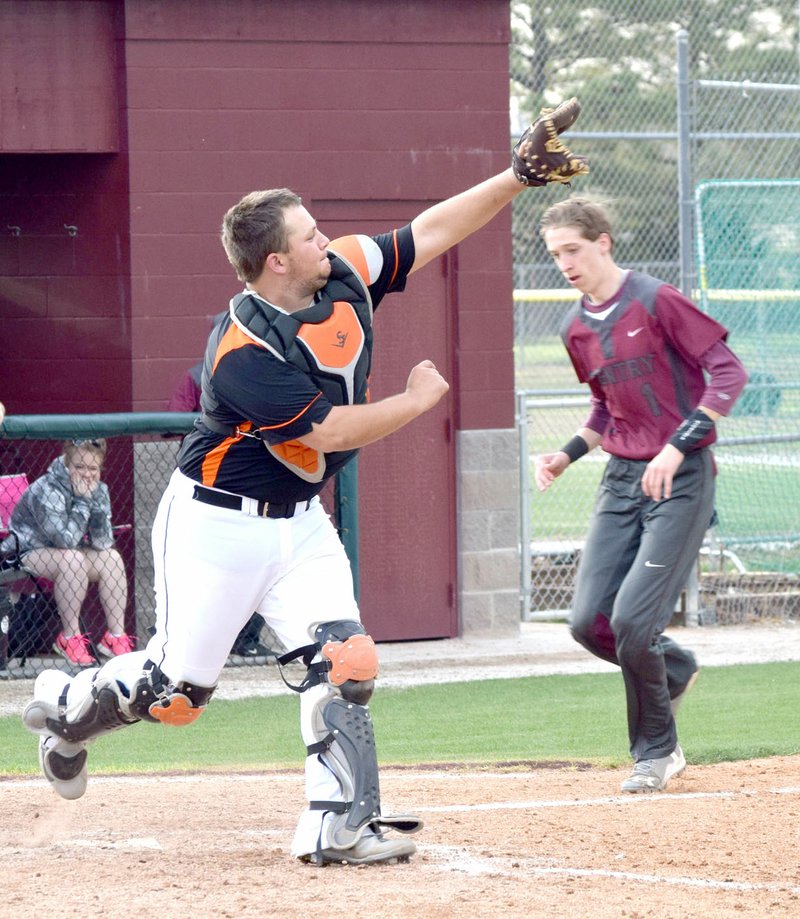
x=330, y=341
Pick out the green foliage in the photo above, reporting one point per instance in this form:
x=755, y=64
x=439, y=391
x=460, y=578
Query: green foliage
x=559, y=47
x=619, y=57
x=732, y=713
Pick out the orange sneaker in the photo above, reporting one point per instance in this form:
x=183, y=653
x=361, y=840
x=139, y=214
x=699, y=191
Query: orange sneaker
x=112, y=645
x=75, y=649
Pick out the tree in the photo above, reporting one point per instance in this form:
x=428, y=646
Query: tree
x=619, y=58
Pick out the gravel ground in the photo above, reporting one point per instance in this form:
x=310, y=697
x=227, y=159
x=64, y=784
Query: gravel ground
x=540, y=648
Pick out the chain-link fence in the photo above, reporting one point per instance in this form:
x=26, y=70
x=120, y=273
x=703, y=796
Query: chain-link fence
x=690, y=121
x=92, y=574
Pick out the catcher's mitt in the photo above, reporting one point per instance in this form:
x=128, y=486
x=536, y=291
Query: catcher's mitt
x=539, y=156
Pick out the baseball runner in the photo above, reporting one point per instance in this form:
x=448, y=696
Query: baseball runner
x=644, y=350
x=241, y=527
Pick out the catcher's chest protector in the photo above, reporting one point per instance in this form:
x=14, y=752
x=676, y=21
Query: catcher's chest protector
x=330, y=341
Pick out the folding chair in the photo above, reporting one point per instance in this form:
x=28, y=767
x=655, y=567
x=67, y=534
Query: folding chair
x=11, y=489
x=14, y=579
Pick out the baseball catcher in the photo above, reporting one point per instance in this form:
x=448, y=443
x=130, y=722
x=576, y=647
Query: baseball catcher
x=540, y=157
x=241, y=528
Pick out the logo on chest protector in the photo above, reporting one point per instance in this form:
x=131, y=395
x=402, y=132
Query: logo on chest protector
x=335, y=345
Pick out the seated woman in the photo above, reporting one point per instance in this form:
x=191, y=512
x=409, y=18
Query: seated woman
x=63, y=523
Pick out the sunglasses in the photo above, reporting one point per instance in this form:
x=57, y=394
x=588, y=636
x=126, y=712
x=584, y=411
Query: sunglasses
x=82, y=443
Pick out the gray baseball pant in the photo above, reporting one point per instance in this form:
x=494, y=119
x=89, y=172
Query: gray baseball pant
x=637, y=559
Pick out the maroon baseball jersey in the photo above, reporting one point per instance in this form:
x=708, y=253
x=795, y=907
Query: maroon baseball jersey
x=642, y=359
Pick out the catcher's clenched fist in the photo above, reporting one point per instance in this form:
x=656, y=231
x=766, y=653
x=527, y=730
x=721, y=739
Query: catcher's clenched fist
x=427, y=384
x=539, y=156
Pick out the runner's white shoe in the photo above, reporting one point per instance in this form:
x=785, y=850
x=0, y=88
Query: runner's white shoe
x=653, y=774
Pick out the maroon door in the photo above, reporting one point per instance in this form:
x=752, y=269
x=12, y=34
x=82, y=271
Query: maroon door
x=407, y=510
x=406, y=482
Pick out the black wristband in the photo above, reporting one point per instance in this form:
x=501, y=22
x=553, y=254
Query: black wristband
x=691, y=431
x=575, y=448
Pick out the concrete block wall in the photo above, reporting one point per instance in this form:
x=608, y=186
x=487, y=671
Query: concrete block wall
x=488, y=532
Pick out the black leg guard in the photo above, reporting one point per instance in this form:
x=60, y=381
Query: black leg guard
x=85, y=710
x=348, y=750
x=102, y=715
x=344, y=656
x=351, y=746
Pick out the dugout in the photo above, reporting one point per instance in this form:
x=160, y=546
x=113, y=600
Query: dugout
x=130, y=126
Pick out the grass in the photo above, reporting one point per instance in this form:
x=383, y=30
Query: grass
x=563, y=511
x=733, y=713
x=752, y=500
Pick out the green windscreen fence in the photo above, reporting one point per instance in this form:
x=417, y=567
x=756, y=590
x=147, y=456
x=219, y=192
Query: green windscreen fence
x=748, y=253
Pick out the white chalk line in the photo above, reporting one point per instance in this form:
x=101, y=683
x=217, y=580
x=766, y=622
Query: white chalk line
x=453, y=858
x=387, y=775
x=578, y=802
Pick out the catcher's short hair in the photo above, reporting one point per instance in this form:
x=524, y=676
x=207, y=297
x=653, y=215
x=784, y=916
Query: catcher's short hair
x=589, y=217
x=254, y=227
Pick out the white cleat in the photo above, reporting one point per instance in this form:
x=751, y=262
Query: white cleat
x=63, y=762
x=371, y=849
x=64, y=766
x=653, y=774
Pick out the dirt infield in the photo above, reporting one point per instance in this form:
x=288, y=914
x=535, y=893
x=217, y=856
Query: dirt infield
x=532, y=842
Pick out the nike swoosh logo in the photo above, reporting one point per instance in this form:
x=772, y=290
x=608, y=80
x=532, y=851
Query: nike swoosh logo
x=649, y=564
x=635, y=331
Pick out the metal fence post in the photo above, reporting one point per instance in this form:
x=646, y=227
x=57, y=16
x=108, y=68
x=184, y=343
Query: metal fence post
x=692, y=611
x=685, y=197
x=525, y=503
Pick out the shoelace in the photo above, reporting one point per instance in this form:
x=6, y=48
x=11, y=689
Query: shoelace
x=80, y=640
x=110, y=639
x=77, y=643
x=644, y=767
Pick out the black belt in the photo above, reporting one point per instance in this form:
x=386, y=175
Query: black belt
x=235, y=502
